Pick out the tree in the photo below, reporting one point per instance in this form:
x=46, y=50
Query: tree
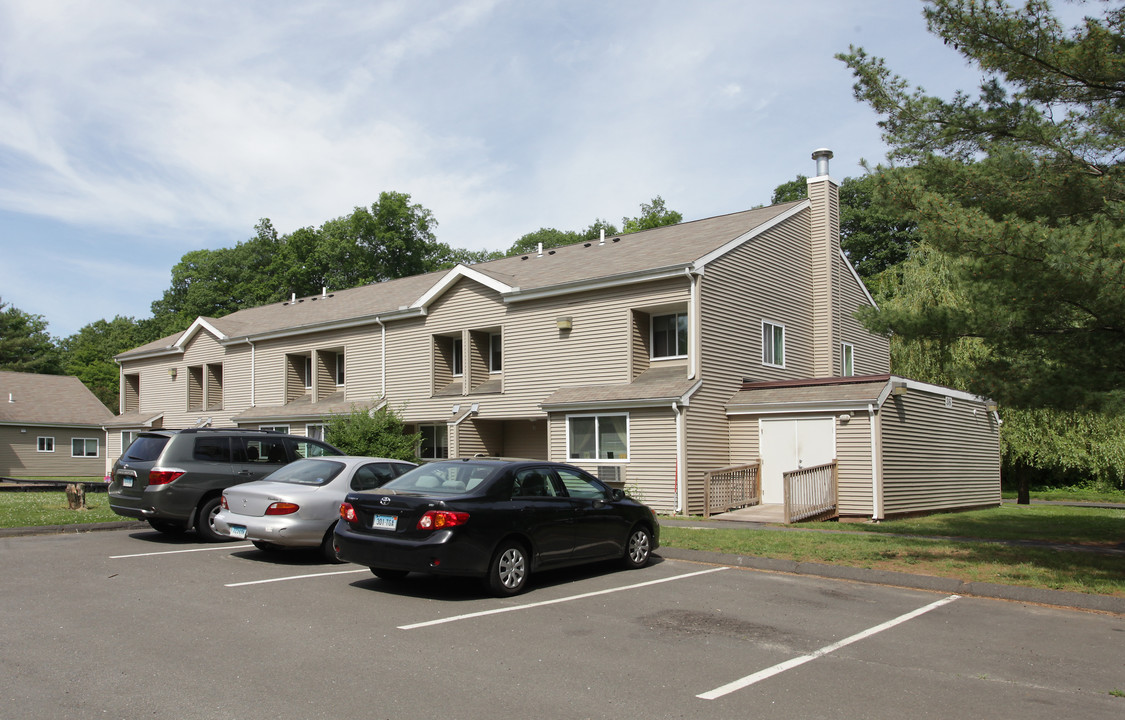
x=653, y=215
x=25, y=345
x=875, y=237
x=1020, y=189
x=377, y=433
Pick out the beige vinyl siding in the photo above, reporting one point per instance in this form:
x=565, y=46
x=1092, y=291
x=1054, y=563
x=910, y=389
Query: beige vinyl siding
x=650, y=472
x=362, y=348
x=872, y=352
x=130, y=392
x=214, y=373
x=767, y=278
x=938, y=458
x=477, y=363
x=853, y=460
x=824, y=228
x=640, y=328
x=20, y=456
x=526, y=439
x=479, y=437
x=744, y=437
x=324, y=365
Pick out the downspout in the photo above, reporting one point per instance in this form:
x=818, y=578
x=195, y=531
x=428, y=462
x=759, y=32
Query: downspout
x=383, y=359
x=681, y=461
x=253, y=371
x=874, y=464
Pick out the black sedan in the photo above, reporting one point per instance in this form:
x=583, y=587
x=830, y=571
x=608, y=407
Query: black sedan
x=496, y=519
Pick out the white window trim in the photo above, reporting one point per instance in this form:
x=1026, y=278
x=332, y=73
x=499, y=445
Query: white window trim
x=309, y=428
x=97, y=447
x=652, y=337
x=597, y=449
x=275, y=428
x=39, y=444
x=783, y=338
x=846, y=350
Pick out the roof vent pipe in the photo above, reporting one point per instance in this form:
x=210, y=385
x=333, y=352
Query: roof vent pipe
x=540, y=250
x=293, y=299
x=10, y=398
x=822, y=156
x=602, y=241
x=324, y=291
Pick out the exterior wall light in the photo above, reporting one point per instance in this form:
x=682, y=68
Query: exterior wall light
x=172, y=373
x=564, y=322
x=898, y=388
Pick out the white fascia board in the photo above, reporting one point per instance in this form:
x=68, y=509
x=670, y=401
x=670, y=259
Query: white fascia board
x=641, y=276
x=609, y=404
x=858, y=279
x=148, y=354
x=71, y=426
x=195, y=327
x=750, y=235
x=939, y=390
x=455, y=274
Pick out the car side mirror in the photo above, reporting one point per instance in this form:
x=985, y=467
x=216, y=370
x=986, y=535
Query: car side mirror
x=616, y=494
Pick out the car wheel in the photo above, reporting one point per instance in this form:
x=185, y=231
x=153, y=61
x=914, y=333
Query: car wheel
x=638, y=549
x=167, y=527
x=328, y=548
x=264, y=546
x=205, y=521
x=385, y=574
x=507, y=573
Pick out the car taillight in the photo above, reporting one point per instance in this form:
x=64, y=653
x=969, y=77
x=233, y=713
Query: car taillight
x=163, y=477
x=438, y=519
x=223, y=503
x=348, y=512
x=282, y=508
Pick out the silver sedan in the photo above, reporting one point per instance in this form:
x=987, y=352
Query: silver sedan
x=299, y=504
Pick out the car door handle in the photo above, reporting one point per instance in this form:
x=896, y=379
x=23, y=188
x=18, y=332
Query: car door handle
x=243, y=473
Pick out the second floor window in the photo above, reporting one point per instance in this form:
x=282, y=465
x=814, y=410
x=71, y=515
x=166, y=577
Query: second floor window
x=458, y=357
x=495, y=353
x=308, y=372
x=847, y=359
x=773, y=344
x=669, y=335
x=339, y=369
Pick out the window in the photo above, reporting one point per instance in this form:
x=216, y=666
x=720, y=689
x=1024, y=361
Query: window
x=84, y=447
x=46, y=444
x=602, y=437
x=847, y=359
x=669, y=335
x=308, y=372
x=435, y=442
x=339, y=369
x=773, y=344
x=211, y=449
x=127, y=437
x=316, y=432
x=495, y=353
x=458, y=359
x=275, y=428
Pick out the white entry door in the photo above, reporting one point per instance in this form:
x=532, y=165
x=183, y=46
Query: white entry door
x=786, y=445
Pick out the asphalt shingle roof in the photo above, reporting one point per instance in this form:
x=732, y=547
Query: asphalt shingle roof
x=49, y=400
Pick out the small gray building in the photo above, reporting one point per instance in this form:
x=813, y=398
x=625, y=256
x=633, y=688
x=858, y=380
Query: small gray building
x=900, y=446
x=50, y=426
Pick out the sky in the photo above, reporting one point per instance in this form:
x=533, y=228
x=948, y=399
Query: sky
x=132, y=132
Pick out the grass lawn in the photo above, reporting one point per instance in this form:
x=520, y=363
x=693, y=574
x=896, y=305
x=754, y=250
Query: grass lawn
x=25, y=509
x=873, y=546
x=1069, y=494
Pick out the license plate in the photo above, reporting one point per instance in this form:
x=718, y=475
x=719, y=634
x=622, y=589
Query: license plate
x=126, y=482
x=237, y=531
x=384, y=522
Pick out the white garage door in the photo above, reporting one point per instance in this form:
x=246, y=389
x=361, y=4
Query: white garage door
x=790, y=445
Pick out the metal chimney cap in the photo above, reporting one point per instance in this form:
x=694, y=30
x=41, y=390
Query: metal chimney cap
x=822, y=156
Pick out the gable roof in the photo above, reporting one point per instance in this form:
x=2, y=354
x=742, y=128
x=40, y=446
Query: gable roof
x=34, y=399
x=620, y=259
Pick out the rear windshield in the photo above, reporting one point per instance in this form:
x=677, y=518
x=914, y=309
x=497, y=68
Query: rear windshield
x=145, y=448
x=307, y=472
x=443, y=478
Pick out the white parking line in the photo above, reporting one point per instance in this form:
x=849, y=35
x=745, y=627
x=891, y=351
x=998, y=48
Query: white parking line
x=790, y=664
x=469, y=616
x=295, y=577
x=177, y=552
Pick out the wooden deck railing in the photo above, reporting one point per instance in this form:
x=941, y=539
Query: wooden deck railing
x=810, y=492
x=731, y=487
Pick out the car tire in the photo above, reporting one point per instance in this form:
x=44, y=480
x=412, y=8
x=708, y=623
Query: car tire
x=265, y=546
x=205, y=521
x=638, y=548
x=328, y=547
x=508, y=571
x=167, y=527
x=387, y=574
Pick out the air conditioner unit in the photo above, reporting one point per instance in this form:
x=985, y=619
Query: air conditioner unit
x=613, y=475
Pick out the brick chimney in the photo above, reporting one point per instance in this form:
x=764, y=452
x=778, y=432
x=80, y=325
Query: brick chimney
x=824, y=194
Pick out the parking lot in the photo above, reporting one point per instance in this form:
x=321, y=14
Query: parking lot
x=129, y=624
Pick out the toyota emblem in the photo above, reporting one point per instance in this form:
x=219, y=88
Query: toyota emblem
x=384, y=500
